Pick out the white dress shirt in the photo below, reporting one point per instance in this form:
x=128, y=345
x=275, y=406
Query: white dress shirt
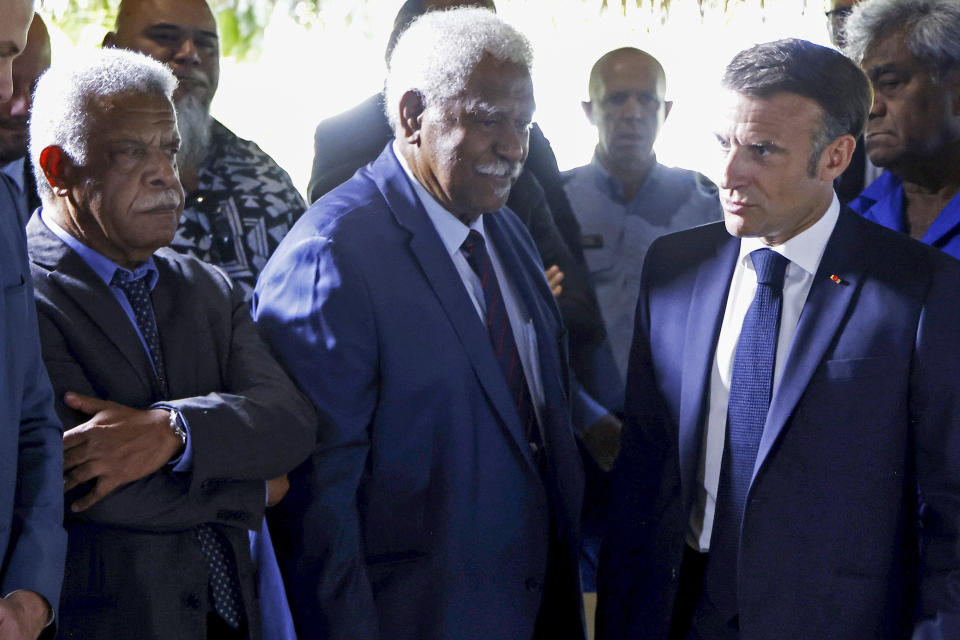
x=804, y=252
x=452, y=233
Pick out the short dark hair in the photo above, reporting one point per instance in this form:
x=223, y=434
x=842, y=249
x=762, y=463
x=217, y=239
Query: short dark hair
x=819, y=73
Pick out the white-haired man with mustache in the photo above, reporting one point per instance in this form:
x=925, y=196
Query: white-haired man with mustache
x=176, y=413
x=239, y=202
x=443, y=498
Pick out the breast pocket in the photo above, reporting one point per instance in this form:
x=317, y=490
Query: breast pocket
x=850, y=368
x=601, y=246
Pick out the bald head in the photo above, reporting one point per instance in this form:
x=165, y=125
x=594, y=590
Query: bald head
x=627, y=88
x=179, y=33
x=626, y=61
x=27, y=67
x=17, y=15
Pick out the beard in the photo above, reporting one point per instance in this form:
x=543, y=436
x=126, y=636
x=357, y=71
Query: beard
x=193, y=121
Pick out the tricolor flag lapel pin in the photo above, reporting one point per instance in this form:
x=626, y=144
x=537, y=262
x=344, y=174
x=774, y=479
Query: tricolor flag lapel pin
x=836, y=279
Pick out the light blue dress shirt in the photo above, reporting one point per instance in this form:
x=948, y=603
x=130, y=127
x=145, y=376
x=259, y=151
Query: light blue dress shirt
x=452, y=233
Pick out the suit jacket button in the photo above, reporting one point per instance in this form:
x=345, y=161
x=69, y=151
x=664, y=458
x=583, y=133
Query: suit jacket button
x=674, y=573
x=532, y=584
x=534, y=447
x=190, y=600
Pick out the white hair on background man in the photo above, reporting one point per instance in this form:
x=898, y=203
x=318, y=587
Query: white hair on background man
x=436, y=54
x=65, y=95
x=932, y=28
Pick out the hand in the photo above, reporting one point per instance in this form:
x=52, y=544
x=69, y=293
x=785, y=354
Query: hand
x=23, y=615
x=117, y=445
x=603, y=441
x=276, y=489
x=554, y=278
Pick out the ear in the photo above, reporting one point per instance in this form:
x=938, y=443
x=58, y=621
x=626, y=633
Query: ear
x=588, y=110
x=667, y=107
x=58, y=169
x=411, y=108
x=836, y=157
x=109, y=40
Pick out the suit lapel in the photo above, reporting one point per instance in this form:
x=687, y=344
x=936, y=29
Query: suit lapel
x=71, y=275
x=822, y=315
x=707, y=303
x=532, y=288
x=428, y=250
x=176, y=316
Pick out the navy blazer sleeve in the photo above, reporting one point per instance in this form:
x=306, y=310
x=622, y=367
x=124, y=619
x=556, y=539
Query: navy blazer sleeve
x=935, y=416
x=317, y=314
x=31, y=494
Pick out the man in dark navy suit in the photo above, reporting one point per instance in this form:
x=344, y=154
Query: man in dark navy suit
x=791, y=456
x=32, y=540
x=444, y=495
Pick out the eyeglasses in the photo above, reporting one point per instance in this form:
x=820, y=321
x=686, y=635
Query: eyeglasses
x=839, y=13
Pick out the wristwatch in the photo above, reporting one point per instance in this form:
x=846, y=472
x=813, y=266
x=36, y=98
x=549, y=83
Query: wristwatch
x=176, y=425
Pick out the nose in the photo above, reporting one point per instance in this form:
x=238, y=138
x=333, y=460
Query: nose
x=879, y=107
x=6, y=79
x=187, y=53
x=632, y=108
x=512, y=143
x=19, y=104
x=163, y=170
x=732, y=173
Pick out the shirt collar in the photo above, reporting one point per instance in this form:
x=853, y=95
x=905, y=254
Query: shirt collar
x=451, y=230
x=14, y=170
x=606, y=182
x=103, y=266
x=804, y=249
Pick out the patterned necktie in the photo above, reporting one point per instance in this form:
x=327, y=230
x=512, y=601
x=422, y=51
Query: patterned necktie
x=750, y=390
x=222, y=566
x=501, y=335
x=138, y=295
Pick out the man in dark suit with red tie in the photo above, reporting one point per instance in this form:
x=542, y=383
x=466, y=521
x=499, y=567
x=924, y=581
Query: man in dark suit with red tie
x=443, y=498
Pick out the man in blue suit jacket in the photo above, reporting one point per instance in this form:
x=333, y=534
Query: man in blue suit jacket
x=838, y=514
x=32, y=540
x=443, y=497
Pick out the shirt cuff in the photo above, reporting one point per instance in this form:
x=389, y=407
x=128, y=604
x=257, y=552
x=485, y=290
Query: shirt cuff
x=50, y=616
x=183, y=462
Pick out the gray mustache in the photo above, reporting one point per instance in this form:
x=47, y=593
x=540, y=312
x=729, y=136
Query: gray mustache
x=168, y=198
x=501, y=168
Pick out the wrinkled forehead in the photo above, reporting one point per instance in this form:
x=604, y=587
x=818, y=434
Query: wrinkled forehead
x=630, y=73
x=499, y=84
x=129, y=112
x=137, y=15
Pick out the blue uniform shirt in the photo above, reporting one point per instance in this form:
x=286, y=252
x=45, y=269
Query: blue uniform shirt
x=616, y=236
x=882, y=202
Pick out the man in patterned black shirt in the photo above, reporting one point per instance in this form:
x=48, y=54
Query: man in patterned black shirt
x=239, y=203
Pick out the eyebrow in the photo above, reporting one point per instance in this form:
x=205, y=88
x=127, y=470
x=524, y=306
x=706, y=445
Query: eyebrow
x=167, y=26
x=880, y=69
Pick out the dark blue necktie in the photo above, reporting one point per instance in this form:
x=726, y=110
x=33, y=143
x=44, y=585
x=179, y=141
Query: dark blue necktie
x=501, y=335
x=138, y=295
x=224, y=581
x=750, y=391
